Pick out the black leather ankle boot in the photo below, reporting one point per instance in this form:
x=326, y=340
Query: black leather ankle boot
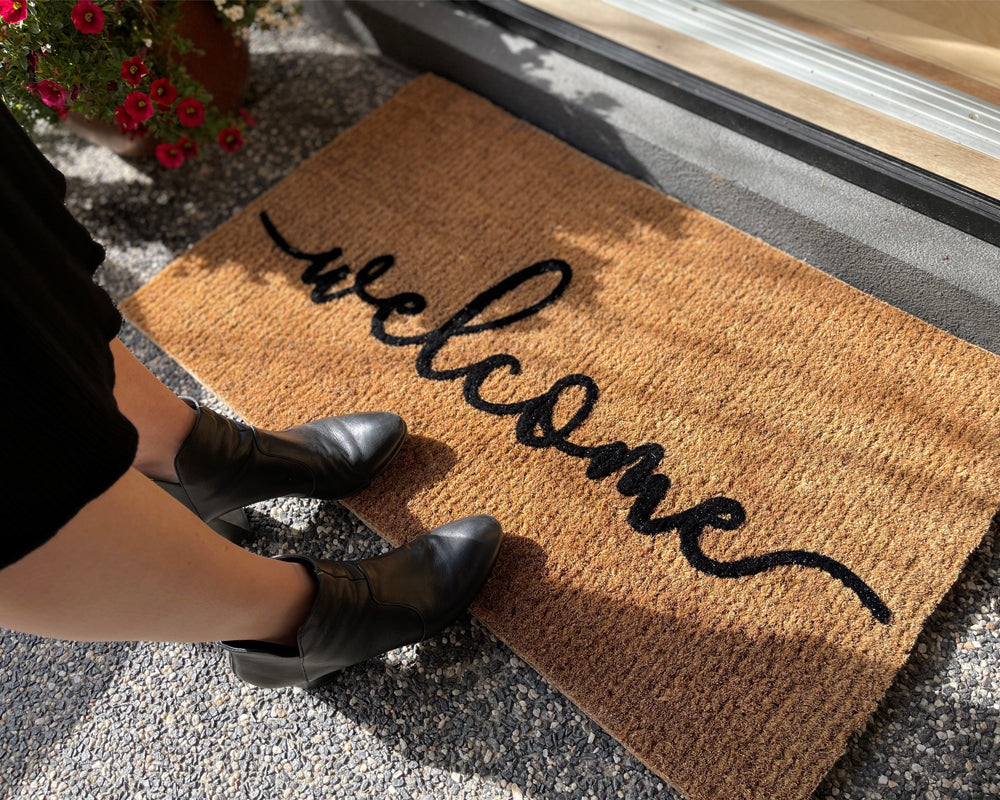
x=224, y=465
x=364, y=608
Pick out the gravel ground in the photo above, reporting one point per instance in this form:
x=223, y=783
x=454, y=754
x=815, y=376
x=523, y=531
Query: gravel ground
x=460, y=716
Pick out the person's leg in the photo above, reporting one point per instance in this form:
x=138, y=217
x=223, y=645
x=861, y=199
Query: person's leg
x=133, y=565
x=136, y=565
x=161, y=417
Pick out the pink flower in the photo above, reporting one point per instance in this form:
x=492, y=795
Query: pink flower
x=170, y=155
x=191, y=112
x=189, y=147
x=139, y=107
x=51, y=93
x=162, y=92
x=13, y=11
x=230, y=139
x=87, y=17
x=134, y=70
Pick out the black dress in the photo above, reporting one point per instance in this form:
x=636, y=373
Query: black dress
x=64, y=440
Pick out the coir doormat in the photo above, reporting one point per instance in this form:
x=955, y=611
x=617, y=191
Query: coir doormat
x=733, y=487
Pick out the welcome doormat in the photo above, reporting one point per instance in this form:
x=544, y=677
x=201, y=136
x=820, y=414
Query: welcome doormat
x=733, y=488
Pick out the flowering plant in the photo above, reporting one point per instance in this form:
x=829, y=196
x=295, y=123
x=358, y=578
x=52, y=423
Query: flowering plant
x=121, y=61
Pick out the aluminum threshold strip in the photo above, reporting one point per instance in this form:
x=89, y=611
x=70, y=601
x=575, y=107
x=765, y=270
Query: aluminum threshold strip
x=937, y=109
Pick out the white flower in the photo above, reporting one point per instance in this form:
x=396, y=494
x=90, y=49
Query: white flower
x=235, y=13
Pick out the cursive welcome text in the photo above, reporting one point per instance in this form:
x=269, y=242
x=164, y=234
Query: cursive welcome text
x=535, y=425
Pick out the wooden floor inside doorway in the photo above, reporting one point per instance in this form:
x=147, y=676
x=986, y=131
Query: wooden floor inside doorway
x=956, y=44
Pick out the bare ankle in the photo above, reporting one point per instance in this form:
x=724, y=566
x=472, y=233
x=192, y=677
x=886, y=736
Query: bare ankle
x=302, y=587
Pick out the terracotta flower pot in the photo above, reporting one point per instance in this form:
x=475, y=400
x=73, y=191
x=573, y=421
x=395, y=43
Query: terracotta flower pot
x=223, y=69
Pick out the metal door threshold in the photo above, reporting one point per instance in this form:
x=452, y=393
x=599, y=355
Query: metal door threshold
x=918, y=101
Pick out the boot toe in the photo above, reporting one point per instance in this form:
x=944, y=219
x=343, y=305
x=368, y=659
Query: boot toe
x=349, y=451
x=379, y=435
x=466, y=551
x=477, y=538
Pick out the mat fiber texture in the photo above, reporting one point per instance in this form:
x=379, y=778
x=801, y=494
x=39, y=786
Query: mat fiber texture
x=732, y=487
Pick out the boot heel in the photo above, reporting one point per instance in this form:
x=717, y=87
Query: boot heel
x=266, y=666
x=233, y=525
